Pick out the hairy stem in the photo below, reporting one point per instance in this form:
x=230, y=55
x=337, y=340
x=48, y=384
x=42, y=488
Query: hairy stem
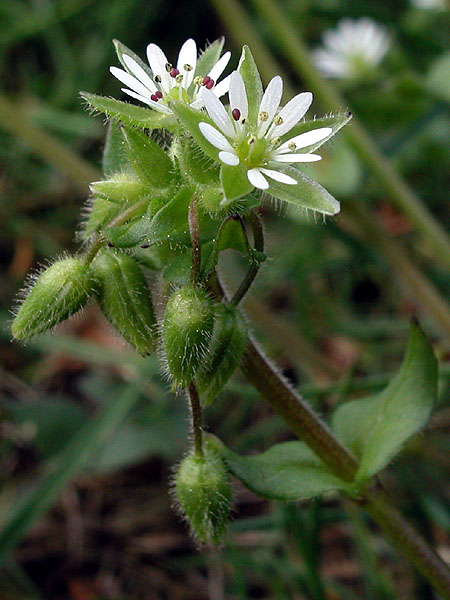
x=196, y=418
x=195, y=241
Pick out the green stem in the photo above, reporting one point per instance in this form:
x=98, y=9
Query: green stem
x=289, y=39
x=195, y=241
x=196, y=410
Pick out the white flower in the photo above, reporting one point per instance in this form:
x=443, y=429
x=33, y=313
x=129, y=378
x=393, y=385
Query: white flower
x=167, y=82
x=259, y=147
x=351, y=50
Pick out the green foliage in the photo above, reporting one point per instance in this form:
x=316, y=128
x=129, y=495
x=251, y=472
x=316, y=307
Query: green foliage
x=224, y=353
x=253, y=86
x=59, y=292
x=209, y=57
x=289, y=472
x=125, y=299
x=234, y=182
x=377, y=428
x=114, y=158
x=203, y=494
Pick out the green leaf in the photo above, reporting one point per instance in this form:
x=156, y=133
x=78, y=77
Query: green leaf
x=101, y=212
x=225, y=352
x=178, y=270
x=121, y=49
x=121, y=188
x=195, y=164
x=129, y=114
x=114, y=158
x=191, y=118
x=253, y=86
x=232, y=235
x=336, y=122
x=307, y=193
x=235, y=183
x=130, y=234
x=288, y=472
x=171, y=221
x=437, y=79
x=209, y=57
x=151, y=163
x=377, y=428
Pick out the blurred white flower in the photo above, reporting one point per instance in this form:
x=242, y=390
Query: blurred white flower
x=432, y=4
x=167, y=82
x=352, y=50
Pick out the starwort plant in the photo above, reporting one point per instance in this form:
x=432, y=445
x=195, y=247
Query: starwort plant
x=184, y=179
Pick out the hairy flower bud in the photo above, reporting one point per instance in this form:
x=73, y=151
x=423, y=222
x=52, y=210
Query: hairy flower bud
x=203, y=492
x=187, y=328
x=59, y=292
x=125, y=300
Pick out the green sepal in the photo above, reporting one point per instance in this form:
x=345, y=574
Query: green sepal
x=101, y=212
x=235, y=183
x=170, y=223
x=253, y=86
x=121, y=188
x=129, y=114
x=307, y=193
x=232, y=236
x=114, y=159
x=195, y=165
x=288, y=472
x=128, y=235
x=336, y=122
x=191, y=118
x=121, y=49
x=225, y=352
x=209, y=57
x=152, y=165
x=59, y=292
x=125, y=299
x=375, y=429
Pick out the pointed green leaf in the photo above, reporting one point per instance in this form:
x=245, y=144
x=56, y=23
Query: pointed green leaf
x=121, y=188
x=336, y=122
x=253, y=86
x=377, y=428
x=288, y=472
x=114, y=158
x=170, y=223
x=209, y=57
x=190, y=119
x=235, y=183
x=151, y=163
x=225, y=352
x=129, y=235
x=307, y=193
x=129, y=114
x=195, y=164
x=121, y=49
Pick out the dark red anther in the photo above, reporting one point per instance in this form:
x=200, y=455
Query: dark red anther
x=145, y=246
x=206, y=80
x=154, y=97
x=236, y=114
x=158, y=94
x=210, y=84
x=174, y=72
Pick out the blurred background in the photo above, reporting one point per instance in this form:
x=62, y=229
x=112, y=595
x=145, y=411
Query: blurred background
x=89, y=432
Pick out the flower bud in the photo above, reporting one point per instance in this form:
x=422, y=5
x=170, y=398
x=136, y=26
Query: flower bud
x=59, y=292
x=187, y=328
x=203, y=492
x=125, y=299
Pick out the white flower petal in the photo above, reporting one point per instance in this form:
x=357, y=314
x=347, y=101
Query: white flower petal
x=270, y=102
x=294, y=158
x=187, y=56
x=291, y=114
x=238, y=95
x=130, y=81
x=156, y=105
x=257, y=179
x=305, y=139
x=277, y=176
x=157, y=61
x=229, y=158
x=139, y=73
x=222, y=87
x=218, y=113
x=219, y=67
x=215, y=138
